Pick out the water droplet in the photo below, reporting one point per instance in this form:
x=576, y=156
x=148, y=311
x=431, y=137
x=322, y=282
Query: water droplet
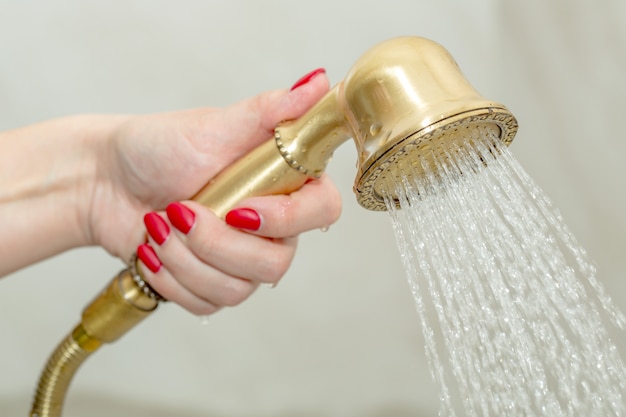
x=375, y=128
x=269, y=285
x=324, y=229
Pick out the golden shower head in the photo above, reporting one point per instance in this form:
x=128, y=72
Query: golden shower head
x=403, y=102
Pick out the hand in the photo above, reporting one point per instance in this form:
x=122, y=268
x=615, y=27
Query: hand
x=154, y=160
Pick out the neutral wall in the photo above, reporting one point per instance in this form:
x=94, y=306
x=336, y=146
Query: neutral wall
x=339, y=335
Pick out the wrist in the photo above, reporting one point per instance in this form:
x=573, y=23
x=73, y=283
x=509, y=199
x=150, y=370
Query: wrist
x=91, y=167
x=47, y=174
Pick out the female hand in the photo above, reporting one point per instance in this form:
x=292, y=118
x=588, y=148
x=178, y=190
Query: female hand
x=192, y=257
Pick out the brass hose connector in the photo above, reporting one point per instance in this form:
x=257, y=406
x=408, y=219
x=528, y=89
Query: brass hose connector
x=118, y=308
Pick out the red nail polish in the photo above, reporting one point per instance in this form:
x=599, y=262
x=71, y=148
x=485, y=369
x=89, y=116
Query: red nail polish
x=181, y=217
x=307, y=78
x=146, y=254
x=156, y=227
x=243, y=218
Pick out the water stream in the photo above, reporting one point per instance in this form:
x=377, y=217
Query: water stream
x=514, y=318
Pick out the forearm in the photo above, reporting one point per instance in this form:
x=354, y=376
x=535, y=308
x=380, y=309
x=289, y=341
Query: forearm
x=47, y=172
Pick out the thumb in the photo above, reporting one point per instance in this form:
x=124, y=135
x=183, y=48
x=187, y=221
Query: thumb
x=307, y=91
x=276, y=106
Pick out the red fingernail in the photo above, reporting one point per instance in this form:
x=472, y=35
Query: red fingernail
x=146, y=254
x=243, y=218
x=157, y=228
x=181, y=217
x=307, y=78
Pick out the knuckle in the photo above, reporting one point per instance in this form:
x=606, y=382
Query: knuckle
x=273, y=268
x=333, y=209
x=161, y=287
x=235, y=292
x=205, y=243
x=333, y=203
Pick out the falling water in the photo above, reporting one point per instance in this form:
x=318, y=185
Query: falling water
x=514, y=318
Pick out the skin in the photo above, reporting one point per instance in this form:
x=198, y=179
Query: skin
x=89, y=179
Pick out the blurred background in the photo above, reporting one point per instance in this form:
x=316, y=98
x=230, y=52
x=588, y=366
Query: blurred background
x=339, y=336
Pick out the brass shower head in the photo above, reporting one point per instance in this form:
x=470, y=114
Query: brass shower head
x=404, y=101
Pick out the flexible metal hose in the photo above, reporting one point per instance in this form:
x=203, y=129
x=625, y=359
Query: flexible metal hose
x=59, y=371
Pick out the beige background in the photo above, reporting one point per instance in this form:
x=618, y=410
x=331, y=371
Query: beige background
x=339, y=336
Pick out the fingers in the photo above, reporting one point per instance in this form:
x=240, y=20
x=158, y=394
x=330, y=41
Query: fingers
x=316, y=205
x=232, y=251
x=203, y=264
x=162, y=281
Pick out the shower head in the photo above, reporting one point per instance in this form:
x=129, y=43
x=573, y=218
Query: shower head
x=404, y=102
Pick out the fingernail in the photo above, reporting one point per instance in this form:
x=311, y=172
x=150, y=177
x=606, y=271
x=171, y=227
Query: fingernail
x=243, y=218
x=156, y=227
x=307, y=78
x=181, y=217
x=146, y=254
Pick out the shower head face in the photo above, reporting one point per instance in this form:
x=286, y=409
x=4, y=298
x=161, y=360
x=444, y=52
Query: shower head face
x=424, y=153
x=406, y=100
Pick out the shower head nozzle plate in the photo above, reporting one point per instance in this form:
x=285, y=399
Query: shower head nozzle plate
x=417, y=153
